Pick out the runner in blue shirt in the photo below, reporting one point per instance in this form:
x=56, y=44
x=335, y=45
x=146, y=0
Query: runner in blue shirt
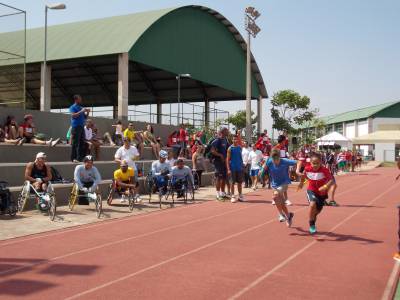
x=234, y=165
x=279, y=176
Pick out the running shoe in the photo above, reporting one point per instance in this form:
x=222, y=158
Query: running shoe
x=241, y=198
x=313, y=229
x=289, y=221
x=138, y=199
x=288, y=203
x=396, y=256
x=333, y=203
x=233, y=199
x=220, y=198
x=123, y=200
x=282, y=218
x=21, y=141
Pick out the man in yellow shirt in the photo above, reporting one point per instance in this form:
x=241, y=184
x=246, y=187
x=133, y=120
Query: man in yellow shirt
x=125, y=180
x=134, y=137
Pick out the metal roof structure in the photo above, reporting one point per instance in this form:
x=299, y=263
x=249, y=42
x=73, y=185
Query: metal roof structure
x=161, y=44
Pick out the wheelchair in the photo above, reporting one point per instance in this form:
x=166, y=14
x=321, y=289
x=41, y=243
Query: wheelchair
x=46, y=200
x=95, y=197
x=182, y=188
x=196, y=180
x=113, y=189
x=152, y=187
x=7, y=203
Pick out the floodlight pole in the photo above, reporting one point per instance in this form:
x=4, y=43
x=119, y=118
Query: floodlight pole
x=178, y=78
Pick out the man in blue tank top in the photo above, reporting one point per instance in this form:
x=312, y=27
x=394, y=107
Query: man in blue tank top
x=234, y=165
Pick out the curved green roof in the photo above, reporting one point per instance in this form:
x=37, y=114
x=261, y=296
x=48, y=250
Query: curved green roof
x=189, y=39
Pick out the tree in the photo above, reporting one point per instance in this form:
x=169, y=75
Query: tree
x=239, y=119
x=289, y=109
x=313, y=129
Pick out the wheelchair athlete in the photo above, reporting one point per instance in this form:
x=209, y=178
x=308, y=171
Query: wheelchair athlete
x=124, y=179
x=160, y=171
x=38, y=173
x=181, y=175
x=87, y=177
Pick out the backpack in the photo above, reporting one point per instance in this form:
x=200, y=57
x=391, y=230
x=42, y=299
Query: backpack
x=207, y=151
x=56, y=176
x=5, y=195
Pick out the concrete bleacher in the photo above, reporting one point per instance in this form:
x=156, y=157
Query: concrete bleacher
x=13, y=161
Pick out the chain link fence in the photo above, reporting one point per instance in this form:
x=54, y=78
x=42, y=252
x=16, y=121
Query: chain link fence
x=12, y=56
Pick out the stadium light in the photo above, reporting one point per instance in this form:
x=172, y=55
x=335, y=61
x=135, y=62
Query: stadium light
x=178, y=77
x=47, y=7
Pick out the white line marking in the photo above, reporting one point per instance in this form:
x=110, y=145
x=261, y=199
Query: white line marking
x=293, y=256
x=387, y=293
x=188, y=253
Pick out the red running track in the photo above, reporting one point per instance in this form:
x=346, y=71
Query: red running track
x=218, y=251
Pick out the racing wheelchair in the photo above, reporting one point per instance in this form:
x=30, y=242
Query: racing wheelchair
x=160, y=187
x=122, y=192
x=181, y=188
x=7, y=203
x=45, y=200
x=90, y=196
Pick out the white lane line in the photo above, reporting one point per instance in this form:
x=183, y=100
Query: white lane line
x=391, y=284
x=190, y=252
x=293, y=256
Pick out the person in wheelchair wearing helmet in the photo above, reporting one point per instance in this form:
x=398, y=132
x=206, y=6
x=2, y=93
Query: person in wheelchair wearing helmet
x=87, y=177
x=180, y=175
x=38, y=173
x=160, y=170
x=124, y=179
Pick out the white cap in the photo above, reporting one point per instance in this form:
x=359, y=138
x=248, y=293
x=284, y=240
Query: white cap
x=40, y=155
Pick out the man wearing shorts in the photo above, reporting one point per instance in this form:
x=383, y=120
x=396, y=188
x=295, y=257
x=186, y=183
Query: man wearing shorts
x=319, y=181
x=234, y=165
x=279, y=176
x=125, y=179
x=255, y=158
x=219, y=149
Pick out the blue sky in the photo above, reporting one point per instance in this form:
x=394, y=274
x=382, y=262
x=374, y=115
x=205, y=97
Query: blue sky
x=343, y=54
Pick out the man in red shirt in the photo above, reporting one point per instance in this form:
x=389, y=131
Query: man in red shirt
x=319, y=181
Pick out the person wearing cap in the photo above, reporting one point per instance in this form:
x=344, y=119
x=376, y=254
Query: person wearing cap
x=38, y=173
x=78, y=118
x=27, y=133
x=181, y=174
x=86, y=175
x=134, y=137
x=125, y=179
x=161, y=169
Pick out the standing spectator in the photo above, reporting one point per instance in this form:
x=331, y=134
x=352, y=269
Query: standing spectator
x=135, y=137
x=27, y=133
x=150, y=140
x=130, y=154
x=246, y=164
x=119, y=132
x=219, y=148
x=183, y=140
x=234, y=165
x=78, y=117
x=264, y=144
x=341, y=161
x=172, y=142
x=255, y=158
x=198, y=161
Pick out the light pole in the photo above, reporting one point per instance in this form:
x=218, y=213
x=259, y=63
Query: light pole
x=47, y=7
x=178, y=77
x=251, y=14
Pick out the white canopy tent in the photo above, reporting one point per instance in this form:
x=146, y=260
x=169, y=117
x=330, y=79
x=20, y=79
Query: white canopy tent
x=334, y=138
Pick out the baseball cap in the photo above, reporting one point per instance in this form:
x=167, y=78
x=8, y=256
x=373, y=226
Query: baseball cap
x=163, y=154
x=41, y=155
x=26, y=117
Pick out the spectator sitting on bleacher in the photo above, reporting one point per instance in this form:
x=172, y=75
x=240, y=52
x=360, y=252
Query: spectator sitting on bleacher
x=11, y=128
x=27, y=133
x=150, y=140
x=104, y=139
x=135, y=137
x=119, y=133
x=93, y=145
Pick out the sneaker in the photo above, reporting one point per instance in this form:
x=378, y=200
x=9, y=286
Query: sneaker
x=333, y=203
x=138, y=199
x=313, y=229
x=289, y=221
x=53, y=143
x=75, y=161
x=233, y=199
x=288, y=203
x=220, y=198
x=21, y=141
x=396, y=256
x=241, y=198
x=49, y=142
x=282, y=218
x=273, y=202
x=123, y=200
x=227, y=196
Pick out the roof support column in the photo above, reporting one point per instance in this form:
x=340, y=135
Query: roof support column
x=159, y=112
x=355, y=128
x=206, y=112
x=344, y=129
x=123, y=85
x=45, y=88
x=259, y=113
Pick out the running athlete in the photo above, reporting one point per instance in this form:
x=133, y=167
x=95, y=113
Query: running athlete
x=279, y=176
x=234, y=166
x=319, y=181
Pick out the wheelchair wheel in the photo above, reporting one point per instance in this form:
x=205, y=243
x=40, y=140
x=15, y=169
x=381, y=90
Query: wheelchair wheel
x=196, y=180
x=189, y=193
x=73, y=197
x=23, y=196
x=52, y=207
x=99, y=206
x=12, y=209
x=131, y=201
x=148, y=185
x=110, y=194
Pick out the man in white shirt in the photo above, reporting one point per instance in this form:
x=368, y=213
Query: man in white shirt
x=128, y=153
x=255, y=157
x=246, y=164
x=93, y=144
